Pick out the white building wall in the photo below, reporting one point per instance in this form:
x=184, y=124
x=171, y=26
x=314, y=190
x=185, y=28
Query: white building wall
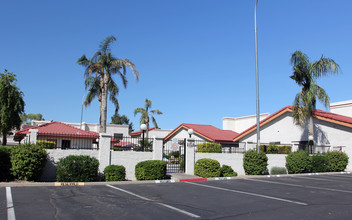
x=342, y=108
x=159, y=133
x=242, y=123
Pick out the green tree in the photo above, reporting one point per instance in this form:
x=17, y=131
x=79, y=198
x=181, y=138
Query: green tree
x=147, y=113
x=122, y=120
x=28, y=117
x=305, y=74
x=11, y=104
x=99, y=81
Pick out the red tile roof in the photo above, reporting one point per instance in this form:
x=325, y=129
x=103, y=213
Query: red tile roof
x=136, y=133
x=319, y=114
x=208, y=132
x=59, y=129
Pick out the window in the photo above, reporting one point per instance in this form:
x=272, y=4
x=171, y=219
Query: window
x=118, y=136
x=65, y=144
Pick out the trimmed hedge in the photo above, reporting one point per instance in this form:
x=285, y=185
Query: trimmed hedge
x=207, y=168
x=151, y=170
x=227, y=171
x=272, y=149
x=254, y=163
x=337, y=161
x=5, y=164
x=278, y=171
x=298, y=162
x=275, y=149
x=46, y=144
x=28, y=161
x=77, y=169
x=320, y=163
x=209, y=148
x=115, y=173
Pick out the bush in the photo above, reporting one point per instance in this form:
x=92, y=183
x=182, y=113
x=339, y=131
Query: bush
x=284, y=149
x=337, y=161
x=254, y=163
x=320, y=163
x=28, y=161
x=115, y=173
x=227, y=171
x=77, y=169
x=148, y=146
x=209, y=148
x=150, y=170
x=298, y=162
x=278, y=170
x=207, y=168
x=272, y=149
x=5, y=164
x=46, y=144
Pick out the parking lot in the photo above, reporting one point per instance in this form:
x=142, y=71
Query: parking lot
x=288, y=197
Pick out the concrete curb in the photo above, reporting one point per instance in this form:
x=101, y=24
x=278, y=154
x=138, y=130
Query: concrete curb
x=196, y=179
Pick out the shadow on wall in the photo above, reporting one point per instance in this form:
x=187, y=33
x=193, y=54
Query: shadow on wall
x=49, y=173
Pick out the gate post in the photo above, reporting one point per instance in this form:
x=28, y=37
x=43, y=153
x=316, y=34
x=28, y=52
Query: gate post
x=33, y=133
x=104, y=151
x=157, y=148
x=190, y=156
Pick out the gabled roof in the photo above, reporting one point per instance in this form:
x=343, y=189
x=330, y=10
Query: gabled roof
x=319, y=114
x=136, y=133
x=208, y=132
x=59, y=129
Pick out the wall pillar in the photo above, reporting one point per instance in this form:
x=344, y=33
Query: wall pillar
x=33, y=134
x=157, y=148
x=190, y=156
x=104, y=151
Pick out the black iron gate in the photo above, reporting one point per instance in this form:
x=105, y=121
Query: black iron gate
x=174, y=154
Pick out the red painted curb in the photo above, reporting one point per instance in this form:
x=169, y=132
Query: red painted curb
x=193, y=180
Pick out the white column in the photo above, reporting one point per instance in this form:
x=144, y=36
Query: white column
x=190, y=156
x=33, y=133
x=157, y=148
x=104, y=151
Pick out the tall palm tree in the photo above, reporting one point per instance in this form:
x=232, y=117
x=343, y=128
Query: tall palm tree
x=146, y=114
x=305, y=74
x=98, y=77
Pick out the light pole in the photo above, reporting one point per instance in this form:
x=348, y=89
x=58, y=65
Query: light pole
x=256, y=75
x=190, y=132
x=143, y=128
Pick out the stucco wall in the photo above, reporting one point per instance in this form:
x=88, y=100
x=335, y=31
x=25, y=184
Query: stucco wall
x=242, y=123
x=236, y=160
x=129, y=160
x=342, y=108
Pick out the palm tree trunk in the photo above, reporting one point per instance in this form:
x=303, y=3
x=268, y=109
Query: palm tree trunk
x=103, y=109
x=311, y=133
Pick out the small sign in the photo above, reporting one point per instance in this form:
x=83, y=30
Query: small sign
x=69, y=184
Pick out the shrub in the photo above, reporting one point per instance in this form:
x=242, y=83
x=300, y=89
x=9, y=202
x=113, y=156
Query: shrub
x=319, y=163
x=284, y=149
x=272, y=149
x=337, y=161
x=115, y=173
x=148, y=146
x=46, y=144
x=5, y=164
x=254, y=163
x=77, y=169
x=227, y=171
x=298, y=162
x=150, y=170
x=207, y=168
x=28, y=161
x=209, y=148
x=278, y=170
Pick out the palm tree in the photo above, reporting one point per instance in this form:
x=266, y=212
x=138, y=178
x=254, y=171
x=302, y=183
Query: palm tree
x=305, y=74
x=146, y=114
x=98, y=77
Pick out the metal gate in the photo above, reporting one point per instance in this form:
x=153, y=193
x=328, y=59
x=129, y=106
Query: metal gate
x=174, y=154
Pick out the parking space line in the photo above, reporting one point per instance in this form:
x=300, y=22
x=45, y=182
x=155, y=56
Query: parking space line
x=159, y=203
x=303, y=186
x=313, y=178
x=251, y=194
x=9, y=205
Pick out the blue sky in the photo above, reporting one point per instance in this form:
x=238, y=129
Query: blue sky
x=196, y=58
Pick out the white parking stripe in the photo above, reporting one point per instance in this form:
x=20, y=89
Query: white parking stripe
x=313, y=178
x=159, y=203
x=304, y=186
x=251, y=194
x=10, y=208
